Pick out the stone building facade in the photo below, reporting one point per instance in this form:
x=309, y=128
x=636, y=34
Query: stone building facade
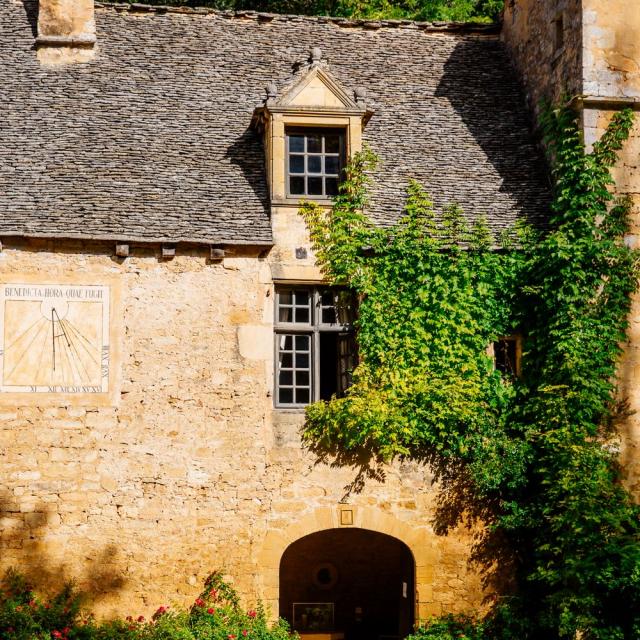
x=596, y=64
x=146, y=224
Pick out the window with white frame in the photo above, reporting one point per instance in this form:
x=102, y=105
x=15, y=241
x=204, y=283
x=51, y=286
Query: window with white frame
x=314, y=344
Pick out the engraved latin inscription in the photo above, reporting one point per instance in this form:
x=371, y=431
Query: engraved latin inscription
x=54, y=338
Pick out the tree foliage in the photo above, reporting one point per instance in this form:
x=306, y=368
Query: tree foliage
x=450, y=10
x=540, y=450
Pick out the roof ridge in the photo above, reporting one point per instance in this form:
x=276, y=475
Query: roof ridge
x=261, y=16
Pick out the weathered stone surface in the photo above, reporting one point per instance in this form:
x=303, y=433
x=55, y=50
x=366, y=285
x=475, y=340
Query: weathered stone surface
x=192, y=469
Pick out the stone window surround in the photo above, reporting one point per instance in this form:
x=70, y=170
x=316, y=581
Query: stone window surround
x=313, y=329
x=276, y=145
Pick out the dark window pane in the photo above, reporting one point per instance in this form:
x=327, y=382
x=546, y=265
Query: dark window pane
x=332, y=143
x=302, y=343
x=286, y=396
x=285, y=297
x=286, y=378
x=285, y=314
x=302, y=360
x=302, y=298
x=328, y=315
x=296, y=164
x=296, y=143
x=302, y=314
x=302, y=396
x=302, y=378
x=314, y=143
x=315, y=187
x=286, y=343
x=331, y=186
x=286, y=360
x=314, y=164
x=505, y=356
x=296, y=186
x=332, y=164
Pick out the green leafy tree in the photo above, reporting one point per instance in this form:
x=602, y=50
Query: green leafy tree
x=539, y=452
x=448, y=10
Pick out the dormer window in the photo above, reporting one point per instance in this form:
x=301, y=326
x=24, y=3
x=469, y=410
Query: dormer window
x=315, y=159
x=311, y=127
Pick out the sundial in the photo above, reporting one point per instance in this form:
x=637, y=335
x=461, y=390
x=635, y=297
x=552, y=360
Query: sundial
x=54, y=339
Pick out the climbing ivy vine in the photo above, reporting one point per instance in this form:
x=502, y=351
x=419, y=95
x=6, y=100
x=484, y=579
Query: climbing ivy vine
x=535, y=455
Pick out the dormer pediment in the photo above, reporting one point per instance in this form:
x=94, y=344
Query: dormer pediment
x=314, y=91
x=317, y=89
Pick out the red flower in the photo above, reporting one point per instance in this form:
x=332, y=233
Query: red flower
x=140, y=618
x=211, y=610
x=252, y=613
x=244, y=633
x=213, y=593
x=129, y=619
x=66, y=630
x=56, y=634
x=231, y=636
x=199, y=602
x=32, y=603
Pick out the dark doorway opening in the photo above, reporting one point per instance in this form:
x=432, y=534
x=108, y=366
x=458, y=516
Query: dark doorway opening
x=354, y=582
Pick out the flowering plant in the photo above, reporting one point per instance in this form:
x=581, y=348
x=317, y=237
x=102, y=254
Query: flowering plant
x=216, y=614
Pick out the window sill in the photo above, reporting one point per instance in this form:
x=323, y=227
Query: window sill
x=296, y=202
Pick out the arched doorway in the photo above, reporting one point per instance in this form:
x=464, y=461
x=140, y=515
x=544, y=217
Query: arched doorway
x=355, y=582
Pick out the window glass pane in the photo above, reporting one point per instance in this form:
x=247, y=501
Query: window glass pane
x=302, y=297
x=328, y=315
x=286, y=378
x=302, y=315
x=296, y=186
x=286, y=343
x=331, y=186
x=296, y=143
x=314, y=164
x=286, y=360
x=302, y=378
x=302, y=360
x=285, y=314
x=302, y=344
x=285, y=297
x=314, y=143
x=296, y=164
x=332, y=143
x=315, y=187
x=332, y=164
x=302, y=396
x=285, y=396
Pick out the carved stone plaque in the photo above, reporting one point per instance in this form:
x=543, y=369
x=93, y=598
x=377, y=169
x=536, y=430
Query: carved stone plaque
x=55, y=339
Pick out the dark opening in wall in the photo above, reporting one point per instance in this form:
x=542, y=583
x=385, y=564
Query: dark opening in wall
x=354, y=582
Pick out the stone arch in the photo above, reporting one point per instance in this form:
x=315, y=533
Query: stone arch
x=421, y=545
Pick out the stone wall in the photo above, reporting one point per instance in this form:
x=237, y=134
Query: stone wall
x=611, y=48
x=191, y=469
x=544, y=39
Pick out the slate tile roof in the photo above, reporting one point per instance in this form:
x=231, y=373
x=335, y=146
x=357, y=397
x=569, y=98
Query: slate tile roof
x=152, y=140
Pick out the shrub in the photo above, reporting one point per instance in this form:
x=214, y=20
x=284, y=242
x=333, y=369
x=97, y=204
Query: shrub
x=215, y=615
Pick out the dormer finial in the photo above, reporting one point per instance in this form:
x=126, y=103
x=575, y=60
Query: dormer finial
x=272, y=92
x=360, y=94
x=315, y=56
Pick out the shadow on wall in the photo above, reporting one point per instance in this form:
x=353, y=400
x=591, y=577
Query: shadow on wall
x=23, y=535
x=457, y=509
x=480, y=89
